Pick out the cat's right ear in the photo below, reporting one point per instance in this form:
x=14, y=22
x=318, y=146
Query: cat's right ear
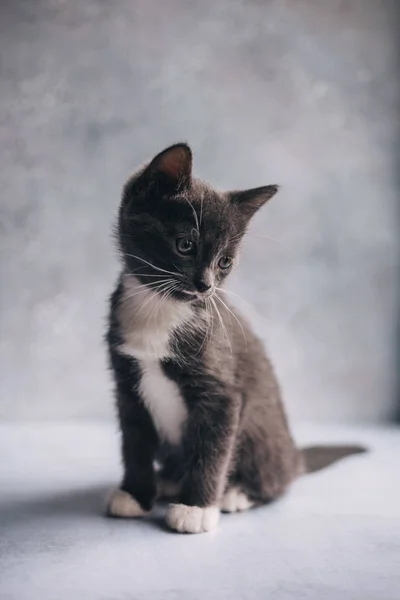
x=173, y=166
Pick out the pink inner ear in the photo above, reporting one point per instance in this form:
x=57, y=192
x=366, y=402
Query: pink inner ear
x=174, y=163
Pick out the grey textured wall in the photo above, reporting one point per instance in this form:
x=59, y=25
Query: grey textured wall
x=302, y=93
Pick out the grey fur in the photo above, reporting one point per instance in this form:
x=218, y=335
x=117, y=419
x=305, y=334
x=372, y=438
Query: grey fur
x=235, y=434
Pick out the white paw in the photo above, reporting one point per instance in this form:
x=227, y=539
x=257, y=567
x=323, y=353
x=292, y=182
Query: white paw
x=192, y=519
x=122, y=504
x=235, y=500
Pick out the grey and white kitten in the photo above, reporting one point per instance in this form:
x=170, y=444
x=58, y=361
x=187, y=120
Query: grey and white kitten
x=195, y=391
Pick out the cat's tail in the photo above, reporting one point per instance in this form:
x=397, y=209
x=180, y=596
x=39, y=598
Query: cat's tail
x=316, y=458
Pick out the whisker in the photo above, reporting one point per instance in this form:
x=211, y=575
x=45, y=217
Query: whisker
x=234, y=316
x=141, y=288
x=272, y=239
x=246, y=304
x=164, y=295
x=153, y=266
x=224, y=291
x=149, y=299
x=209, y=323
x=178, y=269
x=158, y=291
x=144, y=274
x=201, y=207
x=151, y=283
x=212, y=317
x=195, y=215
x=224, y=331
x=236, y=237
x=206, y=331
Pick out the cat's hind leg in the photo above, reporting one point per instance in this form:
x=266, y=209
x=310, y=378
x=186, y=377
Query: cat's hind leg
x=263, y=470
x=235, y=500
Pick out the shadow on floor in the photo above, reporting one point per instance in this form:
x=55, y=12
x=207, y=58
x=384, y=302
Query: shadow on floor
x=89, y=503
x=78, y=502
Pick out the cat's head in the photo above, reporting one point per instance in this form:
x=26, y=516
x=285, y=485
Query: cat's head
x=178, y=235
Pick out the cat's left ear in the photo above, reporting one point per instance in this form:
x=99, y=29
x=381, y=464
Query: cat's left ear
x=251, y=200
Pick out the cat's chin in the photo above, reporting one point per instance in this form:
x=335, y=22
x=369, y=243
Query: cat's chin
x=185, y=296
x=190, y=297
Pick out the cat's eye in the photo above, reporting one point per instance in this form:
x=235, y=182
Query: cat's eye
x=225, y=262
x=184, y=245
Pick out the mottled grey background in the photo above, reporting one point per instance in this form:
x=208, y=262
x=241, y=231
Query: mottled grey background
x=301, y=93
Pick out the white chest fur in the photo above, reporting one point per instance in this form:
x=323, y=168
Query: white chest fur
x=146, y=324
x=147, y=320
x=163, y=400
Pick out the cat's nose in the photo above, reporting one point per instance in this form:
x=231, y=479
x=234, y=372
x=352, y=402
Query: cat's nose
x=204, y=280
x=203, y=286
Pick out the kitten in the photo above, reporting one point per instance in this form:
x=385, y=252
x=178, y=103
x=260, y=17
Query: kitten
x=194, y=389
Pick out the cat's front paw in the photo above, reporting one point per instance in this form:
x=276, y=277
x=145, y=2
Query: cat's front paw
x=192, y=519
x=123, y=505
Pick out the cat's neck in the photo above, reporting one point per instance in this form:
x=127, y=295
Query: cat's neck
x=147, y=319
